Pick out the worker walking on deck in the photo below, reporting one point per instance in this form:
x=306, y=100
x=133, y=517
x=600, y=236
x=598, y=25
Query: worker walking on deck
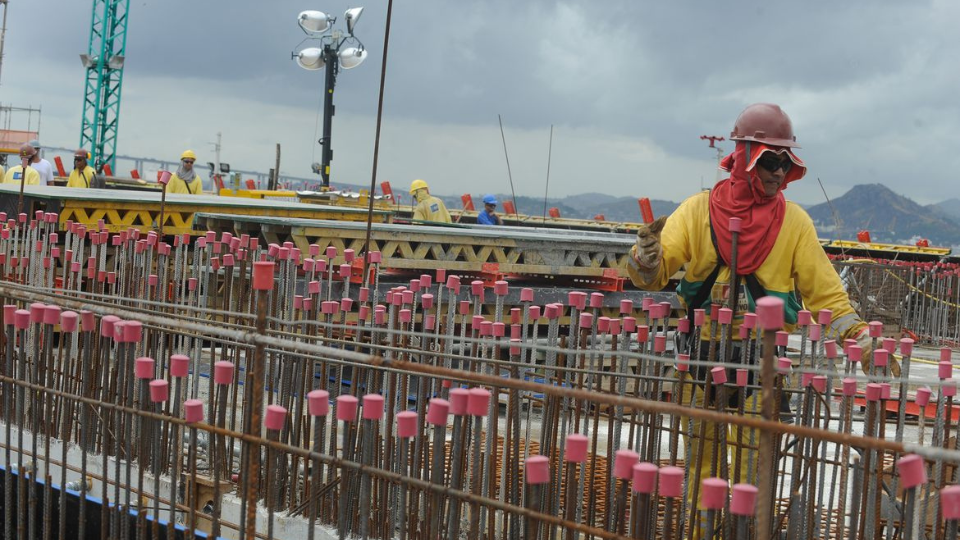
x=186, y=180
x=41, y=165
x=16, y=173
x=83, y=176
x=488, y=216
x=778, y=253
x=428, y=208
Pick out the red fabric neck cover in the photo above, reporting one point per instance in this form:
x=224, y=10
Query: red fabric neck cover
x=741, y=195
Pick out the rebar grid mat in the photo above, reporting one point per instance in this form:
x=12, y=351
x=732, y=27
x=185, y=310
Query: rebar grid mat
x=270, y=396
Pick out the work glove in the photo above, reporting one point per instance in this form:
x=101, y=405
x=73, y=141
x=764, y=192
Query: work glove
x=866, y=345
x=648, y=253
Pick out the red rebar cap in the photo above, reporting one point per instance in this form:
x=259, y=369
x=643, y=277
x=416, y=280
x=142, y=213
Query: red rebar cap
x=950, y=503
x=645, y=477
x=535, y=313
x=374, y=257
x=159, y=390
x=179, y=365
x=51, y=315
x=784, y=364
x=804, y=318
x=346, y=304
x=129, y=331
x=744, y=500
x=406, y=316
x=623, y=464
x=945, y=369
x=912, y=471
x=537, y=470
x=427, y=301
x=830, y=347
x=498, y=329
x=526, y=295
x=659, y=342
x=770, y=313
x=725, y=315
x=453, y=283
x=21, y=319
x=319, y=401
x=813, y=332
x=575, y=448
x=718, y=375
x=437, y=412
x=923, y=396
x=629, y=324
x=782, y=338
x=223, y=372
x=850, y=387
x=144, y=367
x=713, y=493
x=331, y=252
x=671, y=481
x=824, y=316
x=476, y=287
x=372, y=407
x=881, y=357
x=406, y=424
x=906, y=346
x=36, y=312
x=193, y=411
x=890, y=345
x=643, y=333
x=263, y=275
x=596, y=300
x=458, y=401
x=683, y=362
x=873, y=392
x=68, y=321
x=8, y=314
x=347, y=408
x=275, y=418
x=820, y=383
x=875, y=329
x=478, y=403
x=743, y=376
x=500, y=288
x=577, y=299
x=603, y=323
x=698, y=316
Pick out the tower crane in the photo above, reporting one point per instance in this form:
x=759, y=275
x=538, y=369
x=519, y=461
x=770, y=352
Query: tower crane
x=101, y=94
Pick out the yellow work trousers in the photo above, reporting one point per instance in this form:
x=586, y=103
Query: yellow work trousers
x=699, y=453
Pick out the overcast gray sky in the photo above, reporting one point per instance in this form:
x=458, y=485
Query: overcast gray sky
x=628, y=85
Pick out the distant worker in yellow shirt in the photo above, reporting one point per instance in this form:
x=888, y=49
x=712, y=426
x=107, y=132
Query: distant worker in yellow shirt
x=186, y=180
x=429, y=208
x=16, y=173
x=83, y=175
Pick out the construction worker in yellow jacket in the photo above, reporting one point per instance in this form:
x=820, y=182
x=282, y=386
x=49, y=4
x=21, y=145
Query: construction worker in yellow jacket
x=429, y=208
x=83, y=175
x=15, y=173
x=186, y=180
x=778, y=253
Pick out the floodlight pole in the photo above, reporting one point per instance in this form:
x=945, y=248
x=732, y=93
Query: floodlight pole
x=330, y=58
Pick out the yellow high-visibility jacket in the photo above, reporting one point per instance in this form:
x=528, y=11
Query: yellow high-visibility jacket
x=81, y=179
x=432, y=209
x=13, y=174
x=177, y=185
x=797, y=262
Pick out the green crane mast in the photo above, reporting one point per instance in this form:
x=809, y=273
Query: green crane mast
x=101, y=94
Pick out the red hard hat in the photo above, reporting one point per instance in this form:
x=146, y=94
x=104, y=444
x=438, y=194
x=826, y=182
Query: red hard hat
x=764, y=123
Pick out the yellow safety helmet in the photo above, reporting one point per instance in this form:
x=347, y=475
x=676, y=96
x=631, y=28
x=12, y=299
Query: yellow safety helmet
x=188, y=154
x=418, y=184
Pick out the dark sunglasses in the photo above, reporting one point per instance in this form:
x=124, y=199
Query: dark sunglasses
x=78, y=158
x=773, y=164
x=190, y=161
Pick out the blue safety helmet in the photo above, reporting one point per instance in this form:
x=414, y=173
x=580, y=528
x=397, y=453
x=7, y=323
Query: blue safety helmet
x=489, y=199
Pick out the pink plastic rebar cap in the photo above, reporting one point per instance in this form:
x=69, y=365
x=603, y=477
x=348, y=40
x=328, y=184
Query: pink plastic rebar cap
x=36, y=312
x=770, y=313
x=804, y=318
x=603, y=324
x=347, y=408
x=193, y=411
x=743, y=502
x=263, y=275
x=159, y=390
x=912, y=471
x=813, y=332
x=906, y=346
x=626, y=306
x=8, y=314
x=536, y=470
x=476, y=287
x=873, y=392
x=179, y=365
x=950, y=503
x=806, y=379
x=784, y=364
x=854, y=353
x=683, y=326
x=743, y=375
x=331, y=252
x=458, y=401
x=51, y=315
x=849, y=387
x=68, y=321
x=629, y=324
x=948, y=388
x=945, y=369
x=577, y=299
x=437, y=412
x=743, y=331
x=923, y=396
x=683, y=362
x=890, y=345
x=596, y=300
x=659, y=342
x=144, y=367
x=824, y=317
x=718, y=375
x=643, y=333
x=275, y=418
x=820, y=383
x=223, y=372
x=406, y=424
x=881, y=357
x=735, y=224
x=830, y=347
x=671, y=481
x=875, y=329
x=750, y=320
x=132, y=331
x=725, y=316
x=575, y=448
x=623, y=464
x=319, y=402
x=372, y=407
x=552, y=311
x=535, y=312
x=426, y=301
x=479, y=402
x=645, y=477
x=714, y=493
x=374, y=257
x=586, y=320
x=783, y=338
x=500, y=288
x=21, y=319
x=945, y=353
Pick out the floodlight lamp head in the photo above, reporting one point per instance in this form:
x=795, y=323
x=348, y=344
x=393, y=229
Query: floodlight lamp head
x=314, y=22
x=352, y=57
x=310, y=58
x=352, y=15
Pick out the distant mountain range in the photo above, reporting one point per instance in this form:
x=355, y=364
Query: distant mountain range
x=888, y=216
